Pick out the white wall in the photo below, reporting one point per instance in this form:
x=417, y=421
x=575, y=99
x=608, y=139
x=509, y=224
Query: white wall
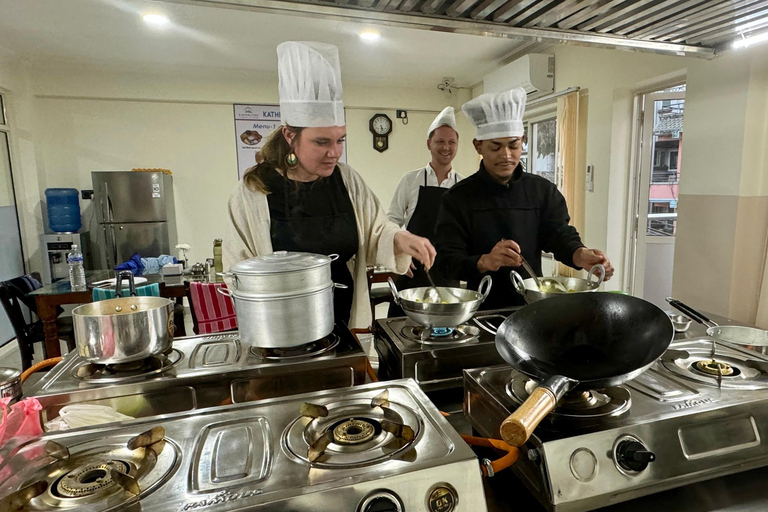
x=90, y=120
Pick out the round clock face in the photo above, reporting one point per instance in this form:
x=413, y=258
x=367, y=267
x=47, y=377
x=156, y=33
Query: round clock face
x=382, y=125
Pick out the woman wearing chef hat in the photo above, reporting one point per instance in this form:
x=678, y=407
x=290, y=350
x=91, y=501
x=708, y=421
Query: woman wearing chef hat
x=301, y=198
x=487, y=221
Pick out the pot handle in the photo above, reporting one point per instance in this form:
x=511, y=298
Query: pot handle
x=518, y=282
x=333, y=257
x=518, y=427
x=339, y=285
x=487, y=326
x=596, y=269
x=688, y=310
x=485, y=287
x=395, y=293
x=224, y=291
x=119, y=283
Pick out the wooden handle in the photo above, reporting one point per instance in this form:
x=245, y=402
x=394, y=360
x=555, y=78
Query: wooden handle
x=516, y=429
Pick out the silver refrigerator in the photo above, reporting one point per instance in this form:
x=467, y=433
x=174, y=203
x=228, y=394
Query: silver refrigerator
x=135, y=213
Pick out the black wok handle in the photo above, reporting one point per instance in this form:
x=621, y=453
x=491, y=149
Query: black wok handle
x=684, y=308
x=519, y=426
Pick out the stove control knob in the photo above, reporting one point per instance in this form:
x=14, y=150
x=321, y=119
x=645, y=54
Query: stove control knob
x=381, y=502
x=633, y=456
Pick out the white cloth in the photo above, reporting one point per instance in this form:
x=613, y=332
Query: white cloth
x=497, y=115
x=407, y=193
x=248, y=235
x=310, y=84
x=445, y=118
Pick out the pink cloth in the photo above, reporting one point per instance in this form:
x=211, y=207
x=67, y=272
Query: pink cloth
x=214, y=312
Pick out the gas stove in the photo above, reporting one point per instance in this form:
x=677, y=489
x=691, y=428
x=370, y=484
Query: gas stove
x=436, y=358
x=682, y=421
x=204, y=371
x=375, y=447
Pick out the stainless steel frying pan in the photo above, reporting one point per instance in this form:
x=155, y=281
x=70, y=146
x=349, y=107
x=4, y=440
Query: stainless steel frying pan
x=578, y=341
x=750, y=337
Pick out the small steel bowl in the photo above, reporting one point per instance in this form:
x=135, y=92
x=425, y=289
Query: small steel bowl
x=680, y=322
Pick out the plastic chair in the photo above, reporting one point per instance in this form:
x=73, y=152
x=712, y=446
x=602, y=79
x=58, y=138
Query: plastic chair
x=14, y=295
x=211, y=311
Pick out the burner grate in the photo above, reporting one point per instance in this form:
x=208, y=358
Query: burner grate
x=312, y=349
x=440, y=335
x=108, y=373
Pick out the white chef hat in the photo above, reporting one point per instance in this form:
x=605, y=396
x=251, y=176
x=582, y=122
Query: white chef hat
x=444, y=118
x=310, y=84
x=497, y=115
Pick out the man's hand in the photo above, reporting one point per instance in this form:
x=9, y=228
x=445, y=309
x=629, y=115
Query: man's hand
x=415, y=246
x=506, y=253
x=588, y=258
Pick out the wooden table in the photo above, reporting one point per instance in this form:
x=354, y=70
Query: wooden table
x=58, y=293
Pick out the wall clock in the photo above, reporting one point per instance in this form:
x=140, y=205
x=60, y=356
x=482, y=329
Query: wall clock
x=380, y=126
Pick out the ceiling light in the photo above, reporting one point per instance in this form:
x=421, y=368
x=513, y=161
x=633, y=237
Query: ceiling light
x=155, y=19
x=749, y=41
x=369, y=35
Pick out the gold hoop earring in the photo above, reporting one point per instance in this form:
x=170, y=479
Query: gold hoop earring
x=291, y=160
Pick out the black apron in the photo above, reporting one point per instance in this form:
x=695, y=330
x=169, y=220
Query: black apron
x=422, y=223
x=317, y=217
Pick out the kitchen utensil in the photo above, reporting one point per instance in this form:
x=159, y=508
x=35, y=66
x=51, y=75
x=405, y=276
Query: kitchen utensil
x=284, y=320
x=444, y=294
x=578, y=341
x=750, y=337
x=10, y=384
x=531, y=272
x=532, y=293
x=441, y=315
x=281, y=273
x=681, y=323
x=123, y=329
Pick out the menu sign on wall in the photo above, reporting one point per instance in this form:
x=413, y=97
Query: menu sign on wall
x=253, y=124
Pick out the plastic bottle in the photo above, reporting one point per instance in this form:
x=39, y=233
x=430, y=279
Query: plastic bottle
x=76, y=270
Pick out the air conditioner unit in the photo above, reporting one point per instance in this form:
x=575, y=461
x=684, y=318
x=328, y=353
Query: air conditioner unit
x=534, y=72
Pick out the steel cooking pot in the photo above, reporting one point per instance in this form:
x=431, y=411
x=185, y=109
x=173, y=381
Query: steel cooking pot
x=281, y=273
x=10, y=384
x=123, y=329
x=431, y=314
x=283, y=320
x=531, y=293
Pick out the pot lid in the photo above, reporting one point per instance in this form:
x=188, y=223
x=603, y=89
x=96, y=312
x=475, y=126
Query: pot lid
x=280, y=261
x=8, y=374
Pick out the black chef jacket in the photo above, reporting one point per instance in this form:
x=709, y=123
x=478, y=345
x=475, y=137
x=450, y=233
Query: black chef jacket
x=478, y=212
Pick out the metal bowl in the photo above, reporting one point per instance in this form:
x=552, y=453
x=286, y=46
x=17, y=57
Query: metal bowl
x=431, y=314
x=680, y=322
x=530, y=292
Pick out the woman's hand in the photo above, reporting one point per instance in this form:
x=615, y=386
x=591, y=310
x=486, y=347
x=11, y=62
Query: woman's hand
x=415, y=246
x=588, y=258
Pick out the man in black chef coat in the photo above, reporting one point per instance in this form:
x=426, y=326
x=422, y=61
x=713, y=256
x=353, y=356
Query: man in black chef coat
x=489, y=219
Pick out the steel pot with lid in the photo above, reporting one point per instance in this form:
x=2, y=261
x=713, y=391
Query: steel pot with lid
x=10, y=384
x=281, y=273
x=123, y=329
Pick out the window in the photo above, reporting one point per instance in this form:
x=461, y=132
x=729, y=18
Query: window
x=673, y=159
x=542, y=149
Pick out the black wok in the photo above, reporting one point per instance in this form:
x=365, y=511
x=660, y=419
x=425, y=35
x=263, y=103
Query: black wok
x=578, y=341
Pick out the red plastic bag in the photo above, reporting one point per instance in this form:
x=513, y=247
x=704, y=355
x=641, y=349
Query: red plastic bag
x=22, y=419
x=19, y=422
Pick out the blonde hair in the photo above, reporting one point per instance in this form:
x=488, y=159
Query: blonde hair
x=274, y=152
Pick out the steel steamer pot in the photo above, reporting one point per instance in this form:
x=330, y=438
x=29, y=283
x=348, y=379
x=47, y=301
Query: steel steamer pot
x=283, y=299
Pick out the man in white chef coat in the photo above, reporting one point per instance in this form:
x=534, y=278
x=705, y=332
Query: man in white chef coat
x=418, y=195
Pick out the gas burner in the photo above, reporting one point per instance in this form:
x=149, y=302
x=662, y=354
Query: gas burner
x=714, y=367
x=579, y=406
x=738, y=371
x=106, y=373
x=440, y=335
x=112, y=475
x=312, y=349
x=352, y=433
